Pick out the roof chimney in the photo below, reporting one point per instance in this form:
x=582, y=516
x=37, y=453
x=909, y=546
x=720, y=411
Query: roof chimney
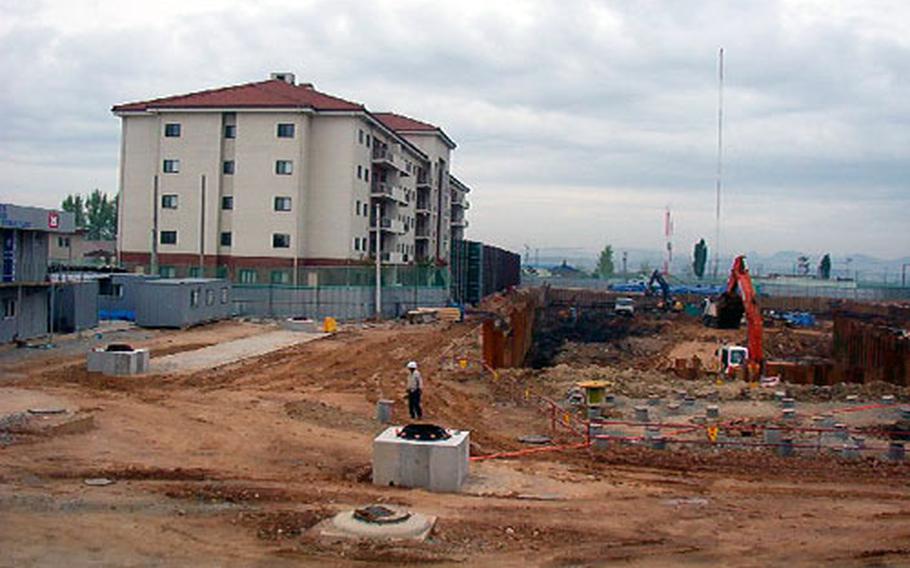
x=286, y=77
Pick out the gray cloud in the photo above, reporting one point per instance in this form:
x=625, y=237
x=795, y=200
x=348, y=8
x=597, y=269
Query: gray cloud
x=577, y=122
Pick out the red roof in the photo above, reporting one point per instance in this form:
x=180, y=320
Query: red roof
x=273, y=93
x=400, y=123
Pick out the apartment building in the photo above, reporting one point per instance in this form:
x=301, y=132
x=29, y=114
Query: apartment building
x=258, y=181
x=460, y=206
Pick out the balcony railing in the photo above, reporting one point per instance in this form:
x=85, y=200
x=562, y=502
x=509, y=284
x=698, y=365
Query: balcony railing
x=423, y=179
x=392, y=257
x=389, y=225
x=383, y=154
x=422, y=232
x=386, y=190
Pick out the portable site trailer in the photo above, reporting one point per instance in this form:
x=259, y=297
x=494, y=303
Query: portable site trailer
x=182, y=302
x=118, y=295
x=75, y=306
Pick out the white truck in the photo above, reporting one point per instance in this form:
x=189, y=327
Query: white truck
x=624, y=307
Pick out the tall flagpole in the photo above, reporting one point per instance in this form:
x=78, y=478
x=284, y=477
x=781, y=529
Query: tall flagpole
x=720, y=155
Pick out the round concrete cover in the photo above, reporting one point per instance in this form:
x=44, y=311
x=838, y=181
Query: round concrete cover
x=415, y=526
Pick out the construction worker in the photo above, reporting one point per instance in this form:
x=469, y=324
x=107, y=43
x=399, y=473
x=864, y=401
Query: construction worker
x=415, y=388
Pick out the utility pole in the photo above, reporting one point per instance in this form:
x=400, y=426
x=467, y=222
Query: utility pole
x=377, y=223
x=153, y=264
x=720, y=154
x=202, y=230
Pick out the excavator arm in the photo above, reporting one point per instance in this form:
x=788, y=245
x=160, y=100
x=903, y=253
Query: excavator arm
x=740, y=283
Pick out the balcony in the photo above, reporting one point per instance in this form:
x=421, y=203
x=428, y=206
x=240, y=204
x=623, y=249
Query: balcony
x=383, y=190
x=462, y=223
x=392, y=257
x=384, y=157
x=388, y=225
x=423, y=207
x=423, y=180
x=422, y=232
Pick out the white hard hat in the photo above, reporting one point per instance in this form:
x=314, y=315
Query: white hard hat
x=412, y=364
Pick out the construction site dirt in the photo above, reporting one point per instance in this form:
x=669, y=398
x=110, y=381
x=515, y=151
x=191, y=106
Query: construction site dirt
x=232, y=465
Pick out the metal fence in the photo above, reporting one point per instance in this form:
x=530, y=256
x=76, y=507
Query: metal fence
x=344, y=303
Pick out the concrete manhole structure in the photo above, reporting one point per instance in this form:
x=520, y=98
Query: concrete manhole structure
x=421, y=455
x=118, y=359
x=378, y=522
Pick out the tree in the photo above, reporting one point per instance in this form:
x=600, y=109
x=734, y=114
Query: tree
x=700, y=258
x=605, y=262
x=824, y=267
x=73, y=204
x=95, y=212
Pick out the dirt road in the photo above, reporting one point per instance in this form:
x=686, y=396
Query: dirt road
x=230, y=467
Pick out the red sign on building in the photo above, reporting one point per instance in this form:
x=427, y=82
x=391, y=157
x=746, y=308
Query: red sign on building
x=53, y=220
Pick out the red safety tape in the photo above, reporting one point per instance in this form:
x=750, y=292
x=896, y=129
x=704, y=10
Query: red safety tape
x=529, y=451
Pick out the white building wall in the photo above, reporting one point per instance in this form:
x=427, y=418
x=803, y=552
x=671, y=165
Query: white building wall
x=255, y=183
x=334, y=156
x=138, y=164
x=199, y=153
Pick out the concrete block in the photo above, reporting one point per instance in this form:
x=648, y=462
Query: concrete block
x=118, y=363
x=440, y=465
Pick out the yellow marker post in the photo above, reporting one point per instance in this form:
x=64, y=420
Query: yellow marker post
x=567, y=419
x=463, y=363
x=712, y=434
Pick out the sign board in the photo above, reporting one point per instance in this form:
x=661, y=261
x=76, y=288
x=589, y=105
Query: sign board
x=36, y=219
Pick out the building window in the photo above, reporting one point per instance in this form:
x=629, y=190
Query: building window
x=230, y=131
x=360, y=136
x=227, y=168
x=282, y=204
x=227, y=202
x=209, y=297
x=167, y=272
x=63, y=242
x=368, y=140
x=284, y=167
x=194, y=298
x=225, y=295
x=247, y=276
x=169, y=201
x=356, y=243
x=226, y=239
x=9, y=308
x=281, y=240
x=366, y=174
x=359, y=172
x=171, y=166
x=172, y=130
x=195, y=272
x=285, y=130
x=169, y=237
x=280, y=277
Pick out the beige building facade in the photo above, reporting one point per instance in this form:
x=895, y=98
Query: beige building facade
x=257, y=181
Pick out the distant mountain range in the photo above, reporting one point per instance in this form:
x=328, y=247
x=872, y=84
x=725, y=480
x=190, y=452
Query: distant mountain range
x=865, y=266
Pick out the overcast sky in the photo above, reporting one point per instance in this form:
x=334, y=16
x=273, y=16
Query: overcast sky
x=577, y=122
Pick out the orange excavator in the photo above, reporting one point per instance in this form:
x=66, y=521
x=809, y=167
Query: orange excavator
x=726, y=312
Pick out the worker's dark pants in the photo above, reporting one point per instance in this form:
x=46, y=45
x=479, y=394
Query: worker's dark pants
x=414, y=404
